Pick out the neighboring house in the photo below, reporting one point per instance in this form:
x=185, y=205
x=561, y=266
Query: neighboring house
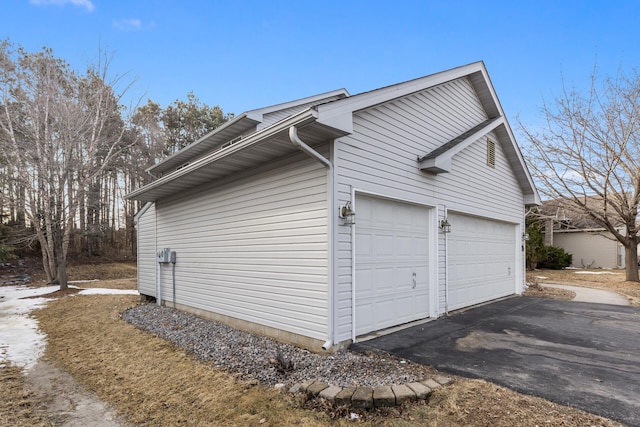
x=572, y=230
x=591, y=248
x=259, y=212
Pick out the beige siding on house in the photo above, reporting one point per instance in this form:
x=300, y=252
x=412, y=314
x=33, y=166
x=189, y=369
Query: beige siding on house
x=147, y=252
x=254, y=248
x=380, y=157
x=592, y=250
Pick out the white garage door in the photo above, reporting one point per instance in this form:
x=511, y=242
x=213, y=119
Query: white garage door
x=392, y=263
x=482, y=260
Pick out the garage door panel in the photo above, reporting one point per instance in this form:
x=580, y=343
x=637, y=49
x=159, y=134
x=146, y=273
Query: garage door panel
x=404, y=215
x=384, y=245
x=398, y=247
x=364, y=278
x=482, y=254
x=421, y=247
x=383, y=279
x=364, y=312
x=404, y=246
x=364, y=246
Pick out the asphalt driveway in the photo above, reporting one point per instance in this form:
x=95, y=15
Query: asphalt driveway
x=578, y=354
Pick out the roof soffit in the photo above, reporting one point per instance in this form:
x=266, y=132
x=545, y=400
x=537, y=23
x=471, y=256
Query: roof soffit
x=240, y=125
x=256, y=149
x=236, y=126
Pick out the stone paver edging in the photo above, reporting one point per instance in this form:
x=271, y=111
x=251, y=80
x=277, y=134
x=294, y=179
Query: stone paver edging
x=368, y=397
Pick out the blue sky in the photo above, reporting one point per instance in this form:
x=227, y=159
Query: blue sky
x=245, y=55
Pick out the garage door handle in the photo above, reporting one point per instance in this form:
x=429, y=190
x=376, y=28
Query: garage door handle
x=414, y=280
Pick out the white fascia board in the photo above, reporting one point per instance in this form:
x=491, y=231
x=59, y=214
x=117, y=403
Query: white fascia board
x=535, y=197
x=333, y=114
x=141, y=212
x=239, y=146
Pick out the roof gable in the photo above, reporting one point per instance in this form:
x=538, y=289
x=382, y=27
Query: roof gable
x=339, y=115
x=331, y=115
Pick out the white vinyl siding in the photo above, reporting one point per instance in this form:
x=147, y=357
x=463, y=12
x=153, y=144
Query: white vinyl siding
x=146, y=228
x=254, y=249
x=381, y=155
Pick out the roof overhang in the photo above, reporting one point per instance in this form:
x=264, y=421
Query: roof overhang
x=258, y=148
x=223, y=133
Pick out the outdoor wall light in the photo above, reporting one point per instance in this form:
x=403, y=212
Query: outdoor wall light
x=525, y=236
x=346, y=212
x=445, y=226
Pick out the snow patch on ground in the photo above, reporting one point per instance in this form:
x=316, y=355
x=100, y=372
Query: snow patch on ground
x=21, y=342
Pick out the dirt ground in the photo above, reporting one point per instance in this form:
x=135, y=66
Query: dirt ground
x=612, y=280
x=133, y=378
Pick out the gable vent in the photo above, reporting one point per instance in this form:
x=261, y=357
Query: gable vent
x=491, y=153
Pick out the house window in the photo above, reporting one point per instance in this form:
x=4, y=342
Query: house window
x=491, y=153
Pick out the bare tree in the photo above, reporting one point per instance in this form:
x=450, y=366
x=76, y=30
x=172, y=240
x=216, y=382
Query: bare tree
x=588, y=156
x=59, y=130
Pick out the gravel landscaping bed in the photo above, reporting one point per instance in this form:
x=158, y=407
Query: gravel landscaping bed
x=253, y=357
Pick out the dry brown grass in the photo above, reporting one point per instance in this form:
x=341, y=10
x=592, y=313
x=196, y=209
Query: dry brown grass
x=479, y=403
x=148, y=380
x=151, y=382
x=110, y=284
x=612, y=280
x=18, y=406
x=101, y=271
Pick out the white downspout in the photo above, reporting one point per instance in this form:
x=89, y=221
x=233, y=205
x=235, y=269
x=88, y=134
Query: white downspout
x=296, y=141
x=158, y=270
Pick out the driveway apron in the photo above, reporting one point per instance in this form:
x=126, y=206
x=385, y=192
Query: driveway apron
x=578, y=354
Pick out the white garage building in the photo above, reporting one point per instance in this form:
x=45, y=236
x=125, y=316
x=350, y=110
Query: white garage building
x=258, y=212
